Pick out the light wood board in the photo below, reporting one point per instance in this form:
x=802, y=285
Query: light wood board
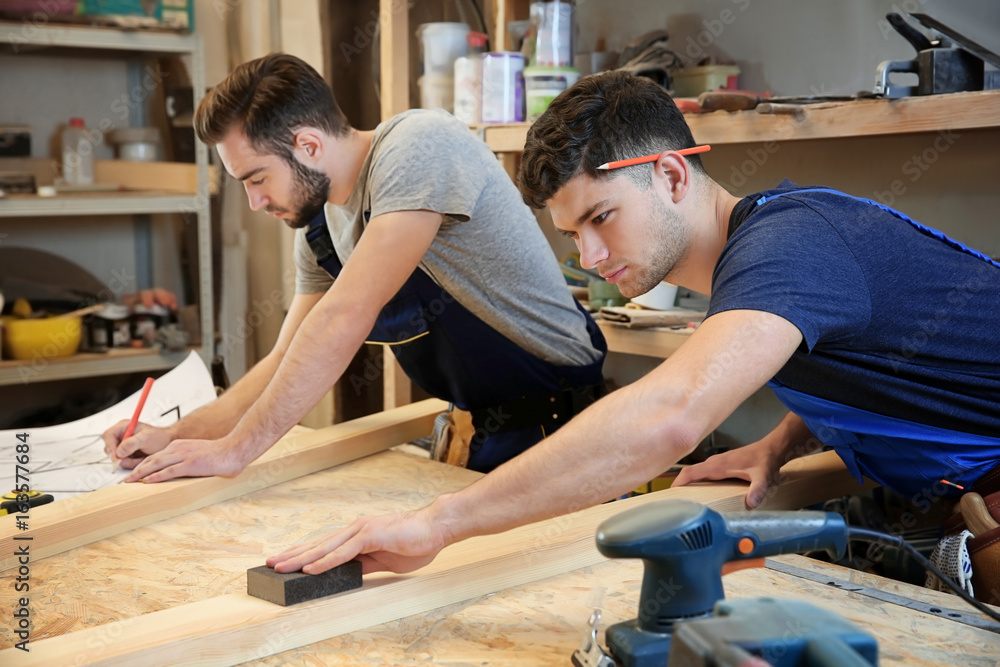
x=235, y=628
x=94, y=516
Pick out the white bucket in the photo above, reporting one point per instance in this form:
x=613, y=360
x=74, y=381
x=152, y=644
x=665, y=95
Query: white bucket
x=442, y=43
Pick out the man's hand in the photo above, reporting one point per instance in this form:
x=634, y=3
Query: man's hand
x=394, y=542
x=190, y=458
x=145, y=441
x=755, y=463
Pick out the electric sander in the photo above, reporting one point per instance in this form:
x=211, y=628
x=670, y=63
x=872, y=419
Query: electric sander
x=686, y=548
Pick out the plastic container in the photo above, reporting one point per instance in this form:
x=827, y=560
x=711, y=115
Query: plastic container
x=693, y=81
x=503, y=87
x=543, y=84
x=78, y=153
x=140, y=144
x=554, y=40
x=442, y=43
x=469, y=81
x=437, y=92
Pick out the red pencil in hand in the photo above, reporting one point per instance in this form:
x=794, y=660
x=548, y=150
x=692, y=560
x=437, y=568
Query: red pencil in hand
x=130, y=429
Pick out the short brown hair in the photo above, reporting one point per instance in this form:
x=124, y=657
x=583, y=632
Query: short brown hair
x=604, y=117
x=269, y=98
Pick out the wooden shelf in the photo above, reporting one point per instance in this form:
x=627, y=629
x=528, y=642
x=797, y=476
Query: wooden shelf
x=24, y=37
x=657, y=342
x=96, y=203
x=113, y=362
x=930, y=113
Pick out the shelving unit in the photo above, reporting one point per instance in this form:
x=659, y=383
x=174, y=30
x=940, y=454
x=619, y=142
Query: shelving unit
x=193, y=199
x=931, y=113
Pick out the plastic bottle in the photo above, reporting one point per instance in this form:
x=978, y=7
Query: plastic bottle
x=77, y=154
x=469, y=81
x=554, y=21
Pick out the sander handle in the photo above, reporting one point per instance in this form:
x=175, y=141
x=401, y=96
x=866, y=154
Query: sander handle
x=685, y=545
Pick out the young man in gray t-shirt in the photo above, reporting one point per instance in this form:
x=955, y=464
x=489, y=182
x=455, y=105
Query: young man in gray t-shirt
x=423, y=243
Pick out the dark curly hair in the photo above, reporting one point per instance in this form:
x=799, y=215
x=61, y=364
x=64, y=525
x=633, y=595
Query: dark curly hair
x=270, y=98
x=604, y=117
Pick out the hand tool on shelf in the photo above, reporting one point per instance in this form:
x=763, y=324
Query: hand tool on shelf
x=946, y=62
x=727, y=100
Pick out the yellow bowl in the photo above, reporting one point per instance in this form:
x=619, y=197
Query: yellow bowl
x=45, y=338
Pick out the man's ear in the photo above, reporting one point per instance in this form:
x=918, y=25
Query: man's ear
x=308, y=145
x=673, y=173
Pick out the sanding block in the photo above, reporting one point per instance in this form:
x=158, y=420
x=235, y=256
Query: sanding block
x=294, y=587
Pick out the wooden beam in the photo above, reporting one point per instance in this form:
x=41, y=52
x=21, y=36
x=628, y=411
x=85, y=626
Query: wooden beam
x=231, y=629
x=396, y=387
x=178, y=177
x=83, y=519
x=394, y=49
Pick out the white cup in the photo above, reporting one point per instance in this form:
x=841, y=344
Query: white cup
x=661, y=297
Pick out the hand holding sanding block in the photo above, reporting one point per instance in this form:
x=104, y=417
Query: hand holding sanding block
x=294, y=587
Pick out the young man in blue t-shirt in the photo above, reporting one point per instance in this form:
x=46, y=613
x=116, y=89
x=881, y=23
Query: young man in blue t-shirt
x=879, y=334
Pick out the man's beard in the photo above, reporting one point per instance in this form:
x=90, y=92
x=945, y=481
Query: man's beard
x=313, y=189
x=666, y=241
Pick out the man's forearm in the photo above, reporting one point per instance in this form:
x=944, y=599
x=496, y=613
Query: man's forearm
x=218, y=418
x=611, y=448
x=316, y=358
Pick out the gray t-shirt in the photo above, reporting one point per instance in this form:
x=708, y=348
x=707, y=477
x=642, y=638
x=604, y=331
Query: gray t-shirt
x=489, y=253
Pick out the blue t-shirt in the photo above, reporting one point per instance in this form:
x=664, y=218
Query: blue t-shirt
x=894, y=320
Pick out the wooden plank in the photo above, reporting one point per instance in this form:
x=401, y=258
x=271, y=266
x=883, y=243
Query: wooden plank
x=394, y=58
x=176, y=177
x=540, y=624
x=235, y=628
x=83, y=519
x=505, y=138
x=396, y=387
x=510, y=163
x=172, y=177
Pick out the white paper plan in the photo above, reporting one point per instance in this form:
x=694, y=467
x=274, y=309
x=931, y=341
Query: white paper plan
x=69, y=459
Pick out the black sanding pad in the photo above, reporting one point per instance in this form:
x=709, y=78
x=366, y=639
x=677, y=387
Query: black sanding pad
x=294, y=587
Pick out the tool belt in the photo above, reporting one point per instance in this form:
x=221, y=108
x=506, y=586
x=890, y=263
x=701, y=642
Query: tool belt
x=983, y=547
x=558, y=407
x=455, y=429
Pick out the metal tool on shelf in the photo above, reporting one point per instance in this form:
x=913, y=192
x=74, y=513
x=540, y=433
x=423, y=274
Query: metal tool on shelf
x=946, y=62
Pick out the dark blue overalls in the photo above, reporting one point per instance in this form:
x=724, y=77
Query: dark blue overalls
x=515, y=398
x=896, y=453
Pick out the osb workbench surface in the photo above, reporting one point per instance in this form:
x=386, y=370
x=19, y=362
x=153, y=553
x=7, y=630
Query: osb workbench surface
x=206, y=553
